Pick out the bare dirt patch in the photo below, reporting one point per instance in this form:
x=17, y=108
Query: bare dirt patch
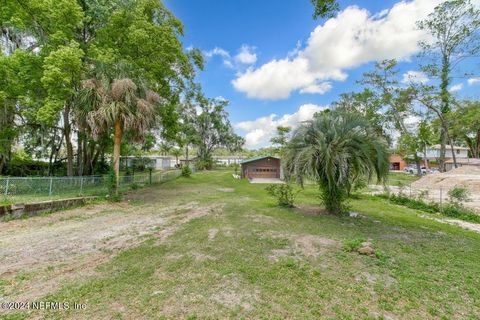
x=70, y=244
x=227, y=190
x=302, y=245
x=212, y=233
x=373, y=278
x=313, y=246
x=232, y=294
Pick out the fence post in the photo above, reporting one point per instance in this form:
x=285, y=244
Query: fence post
x=441, y=196
x=150, y=176
x=6, y=186
x=81, y=186
x=50, y=189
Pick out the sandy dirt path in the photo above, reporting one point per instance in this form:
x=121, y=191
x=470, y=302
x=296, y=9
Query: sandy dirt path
x=70, y=244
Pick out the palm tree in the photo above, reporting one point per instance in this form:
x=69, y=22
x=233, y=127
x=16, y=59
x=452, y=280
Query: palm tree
x=120, y=103
x=165, y=149
x=336, y=150
x=176, y=152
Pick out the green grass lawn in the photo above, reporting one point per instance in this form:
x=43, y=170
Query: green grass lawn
x=401, y=179
x=248, y=258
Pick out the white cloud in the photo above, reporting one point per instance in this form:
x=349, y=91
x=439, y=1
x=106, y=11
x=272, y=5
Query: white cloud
x=320, y=88
x=222, y=53
x=353, y=38
x=415, y=77
x=261, y=130
x=456, y=88
x=246, y=55
x=473, y=81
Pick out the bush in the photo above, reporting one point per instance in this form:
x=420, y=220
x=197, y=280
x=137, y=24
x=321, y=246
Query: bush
x=284, y=193
x=204, y=164
x=353, y=244
x=111, y=182
x=459, y=194
x=452, y=210
x=134, y=186
x=186, y=171
x=26, y=167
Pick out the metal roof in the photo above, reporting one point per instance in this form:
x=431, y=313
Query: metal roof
x=257, y=158
x=448, y=147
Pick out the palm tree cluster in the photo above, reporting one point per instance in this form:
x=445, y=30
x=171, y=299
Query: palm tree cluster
x=336, y=150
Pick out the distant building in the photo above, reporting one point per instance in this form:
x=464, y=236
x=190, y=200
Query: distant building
x=449, y=165
x=261, y=167
x=227, y=160
x=433, y=152
x=155, y=162
x=397, y=162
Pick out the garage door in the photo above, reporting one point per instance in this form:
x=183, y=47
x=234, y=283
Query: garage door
x=264, y=173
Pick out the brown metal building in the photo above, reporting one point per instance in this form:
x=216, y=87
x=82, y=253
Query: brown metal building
x=261, y=167
x=397, y=162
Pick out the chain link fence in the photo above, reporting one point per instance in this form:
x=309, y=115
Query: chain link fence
x=439, y=195
x=30, y=189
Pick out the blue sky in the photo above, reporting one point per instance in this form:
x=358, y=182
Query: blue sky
x=277, y=66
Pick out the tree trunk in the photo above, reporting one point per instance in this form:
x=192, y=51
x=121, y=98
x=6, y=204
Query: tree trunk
x=54, y=148
x=425, y=160
x=116, y=153
x=419, y=169
x=80, y=152
x=443, y=143
x=445, y=109
x=477, y=147
x=68, y=143
x=2, y=163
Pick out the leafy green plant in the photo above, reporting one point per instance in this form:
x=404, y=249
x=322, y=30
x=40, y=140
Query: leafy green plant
x=134, y=186
x=353, y=244
x=204, y=164
x=422, y=195
x=452, y=210
x=333, y=150
x=186, y=171
x=284, y=193
x=111, y=181
x=458, y=195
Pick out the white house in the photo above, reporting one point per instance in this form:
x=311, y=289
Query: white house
x=156, y=162
x=433, y=152
x=227, y=160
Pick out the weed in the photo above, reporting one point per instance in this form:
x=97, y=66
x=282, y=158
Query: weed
x=284, y=193
x=353, y=244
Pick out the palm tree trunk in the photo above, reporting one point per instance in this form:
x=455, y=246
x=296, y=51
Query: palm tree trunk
x=116, y=153
x=68, y=142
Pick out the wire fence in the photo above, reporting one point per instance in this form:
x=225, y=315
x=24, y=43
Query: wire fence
x=439, y=195
x=29, y=189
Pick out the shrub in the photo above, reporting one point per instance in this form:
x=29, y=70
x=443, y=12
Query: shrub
x=353, y=244
x=284, y=193
x=186, y=171
x=111, y=181
x=134, y=186
x=459, y=194
x=236, y=167
x=422, y=195
x=204, y=164
x=453, y=210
